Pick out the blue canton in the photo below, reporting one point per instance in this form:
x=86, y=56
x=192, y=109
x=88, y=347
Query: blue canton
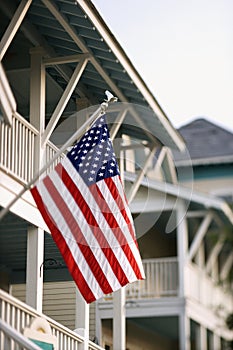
x=93, y=156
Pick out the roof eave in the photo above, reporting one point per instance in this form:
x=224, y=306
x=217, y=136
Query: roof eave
x=113, y=44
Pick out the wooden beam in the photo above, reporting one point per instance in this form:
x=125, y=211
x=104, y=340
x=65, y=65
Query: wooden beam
x=226, y=267
x=214, y=254
x=117, y=123
x=65, y=59
x=141, y=174
x=64, y=99
x=13, y=26
x=199, y=235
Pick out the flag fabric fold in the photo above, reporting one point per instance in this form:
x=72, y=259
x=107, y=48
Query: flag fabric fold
x=84, y=205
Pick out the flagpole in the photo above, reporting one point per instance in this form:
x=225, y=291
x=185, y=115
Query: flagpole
x=100, y=111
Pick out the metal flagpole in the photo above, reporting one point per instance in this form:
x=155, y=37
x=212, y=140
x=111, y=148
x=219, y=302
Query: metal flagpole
x=101, y=110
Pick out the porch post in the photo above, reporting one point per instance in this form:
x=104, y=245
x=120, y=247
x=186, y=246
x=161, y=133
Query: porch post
x=119, y=322
x=184, y=331
x=82, y=319
x=34, y=275
x=216, y=342
x=182, y=246
x=35, y=244
x=203, y=338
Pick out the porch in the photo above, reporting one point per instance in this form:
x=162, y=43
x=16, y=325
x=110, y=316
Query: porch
x=16, y=316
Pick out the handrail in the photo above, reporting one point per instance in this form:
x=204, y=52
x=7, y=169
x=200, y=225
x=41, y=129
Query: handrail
x=20, y=315
x=161, y=279
x=17, y=336
x=17, y=148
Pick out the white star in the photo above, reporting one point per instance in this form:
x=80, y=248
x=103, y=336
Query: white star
x=85, y=151
x=87, y=144
x=112, y=164
x=87, y=164
x=101, y=174
x=73, y=153
x=91, y=131
x=80, y=165
x=90, y=178
x=76, y=157
x=85, y=171
x=110, y=170
x=98, y=152
x=97, y=132
x=96, y=138
x=94, y=165
x=100, y=146
x=97, y=158
x=89, y=138
x=102, y=140
x=103, y=167
x=92, y=171
x=106, y=154
x=104, y=134
x=82, y=158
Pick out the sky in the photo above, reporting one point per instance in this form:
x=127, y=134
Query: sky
x=183, y=50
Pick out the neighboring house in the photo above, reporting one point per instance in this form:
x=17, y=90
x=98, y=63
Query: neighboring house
x=58, y=58
x=210, y=152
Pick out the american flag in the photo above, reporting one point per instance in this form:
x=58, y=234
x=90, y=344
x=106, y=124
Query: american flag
x=84, y=205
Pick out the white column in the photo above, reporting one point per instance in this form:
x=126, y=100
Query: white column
x=119, y=322
x=216, y=342
x=82, y=319
x=182, y=245
x=34, y=277
x=35, y=244
x=203, y=338
x=184, y=332
x=98, y=324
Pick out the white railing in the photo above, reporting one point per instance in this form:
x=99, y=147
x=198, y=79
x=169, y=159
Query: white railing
x=161, y=279
x=203, y=289
x=17, y=148
x=19, y=315
x=51, y=151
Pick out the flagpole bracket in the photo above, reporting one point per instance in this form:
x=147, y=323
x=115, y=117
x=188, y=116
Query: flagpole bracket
x=110, y=99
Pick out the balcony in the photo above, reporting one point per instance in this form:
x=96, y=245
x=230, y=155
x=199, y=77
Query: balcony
x=18, y=149
x=161, y=280
x=19, y=316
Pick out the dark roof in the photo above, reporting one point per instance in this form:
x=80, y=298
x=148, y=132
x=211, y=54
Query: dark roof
x=206, y=143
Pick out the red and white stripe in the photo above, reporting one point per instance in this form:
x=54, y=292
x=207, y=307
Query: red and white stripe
x=93, y=229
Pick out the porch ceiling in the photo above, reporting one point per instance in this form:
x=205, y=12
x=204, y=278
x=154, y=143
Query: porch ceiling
x=67, y=27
